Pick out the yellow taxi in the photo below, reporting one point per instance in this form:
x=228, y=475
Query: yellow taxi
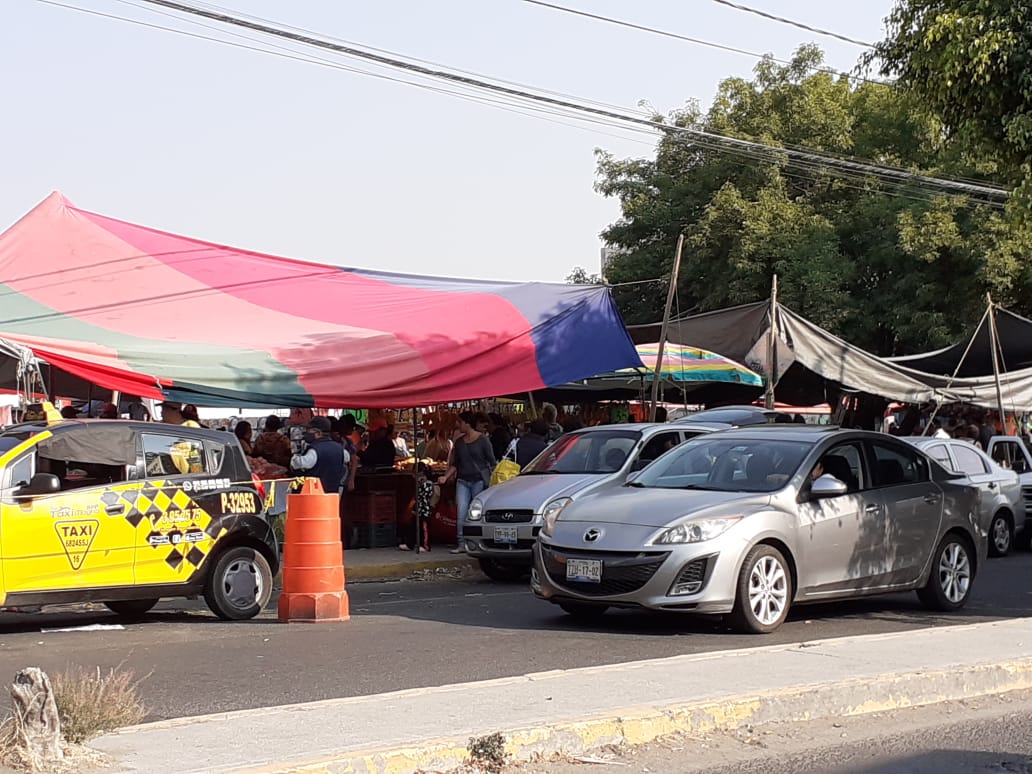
x=125, y=513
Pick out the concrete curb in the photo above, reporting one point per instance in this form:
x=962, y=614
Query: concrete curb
x=639, y=725
x=398, y=571
x=388, y=571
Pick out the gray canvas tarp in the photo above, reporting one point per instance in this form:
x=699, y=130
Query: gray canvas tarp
x=730, y=332
x=740, y=333
x=1015, y=334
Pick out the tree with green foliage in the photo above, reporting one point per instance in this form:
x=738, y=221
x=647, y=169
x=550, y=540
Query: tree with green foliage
x=892, y=267
x=970, y=63
x=580, y=276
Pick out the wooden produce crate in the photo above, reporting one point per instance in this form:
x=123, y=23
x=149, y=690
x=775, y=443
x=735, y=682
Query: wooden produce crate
x=372, y=508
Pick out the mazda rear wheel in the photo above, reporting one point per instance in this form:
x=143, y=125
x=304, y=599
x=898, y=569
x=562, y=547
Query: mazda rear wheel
x=949, y=583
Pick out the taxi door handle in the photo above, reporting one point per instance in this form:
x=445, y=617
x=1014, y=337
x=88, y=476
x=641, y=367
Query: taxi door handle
x=115, y=510
x=872, y=508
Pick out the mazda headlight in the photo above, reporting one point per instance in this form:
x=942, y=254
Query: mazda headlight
x=551, y=514
x=476, y=510
x=697, y=531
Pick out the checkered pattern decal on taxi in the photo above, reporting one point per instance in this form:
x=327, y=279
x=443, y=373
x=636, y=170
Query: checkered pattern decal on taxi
x=168, y=520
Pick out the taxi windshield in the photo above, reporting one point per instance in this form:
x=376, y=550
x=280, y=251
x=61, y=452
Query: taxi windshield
x=594, y=452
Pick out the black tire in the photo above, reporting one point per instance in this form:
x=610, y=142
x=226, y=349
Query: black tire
x=1001, y=534
x=953, y=570
x=504, y=572
x=581, y=611
x=239, y=585
x=131, y=608
x=765, y=565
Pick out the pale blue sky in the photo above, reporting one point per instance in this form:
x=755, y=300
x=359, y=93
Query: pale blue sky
x=290, y=158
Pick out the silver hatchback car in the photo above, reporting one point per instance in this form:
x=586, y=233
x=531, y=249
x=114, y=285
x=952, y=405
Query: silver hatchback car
x=504, y=520
x=751, y=521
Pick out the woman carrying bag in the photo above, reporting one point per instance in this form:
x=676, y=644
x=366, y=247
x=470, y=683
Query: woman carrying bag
x=472, y=462
x=507, y=466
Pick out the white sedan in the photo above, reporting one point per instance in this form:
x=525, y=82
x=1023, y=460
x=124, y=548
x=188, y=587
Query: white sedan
x=1002, y=507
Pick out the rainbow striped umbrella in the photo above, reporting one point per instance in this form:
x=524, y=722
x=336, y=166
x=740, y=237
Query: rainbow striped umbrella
x=691, y=364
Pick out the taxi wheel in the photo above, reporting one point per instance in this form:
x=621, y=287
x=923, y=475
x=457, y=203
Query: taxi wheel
x=131, y=608
x=239, y=585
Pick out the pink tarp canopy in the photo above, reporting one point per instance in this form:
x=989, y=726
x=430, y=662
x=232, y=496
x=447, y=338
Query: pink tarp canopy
x=152, y=313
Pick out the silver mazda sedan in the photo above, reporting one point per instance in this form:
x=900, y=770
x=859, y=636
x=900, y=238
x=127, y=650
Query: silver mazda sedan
x=750, y=521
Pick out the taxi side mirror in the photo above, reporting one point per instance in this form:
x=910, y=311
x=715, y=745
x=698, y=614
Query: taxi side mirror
x=40, y=484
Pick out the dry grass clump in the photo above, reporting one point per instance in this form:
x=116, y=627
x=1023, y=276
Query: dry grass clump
x=91, y=702
x=88, y=702
x=15, y=749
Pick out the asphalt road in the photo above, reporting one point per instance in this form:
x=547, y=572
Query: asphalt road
x=990, y=735
x=414, y=634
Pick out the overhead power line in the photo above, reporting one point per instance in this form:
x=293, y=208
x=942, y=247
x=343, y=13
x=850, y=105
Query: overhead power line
x=687, y=39
x=715, y=141
x=800, y=25
x=803, y=163
x=263, y=47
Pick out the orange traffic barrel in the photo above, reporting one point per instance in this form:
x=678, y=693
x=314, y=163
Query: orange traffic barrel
x=313, y=559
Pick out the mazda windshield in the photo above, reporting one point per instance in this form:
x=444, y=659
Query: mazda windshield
x=594, y=452
x=726, y=465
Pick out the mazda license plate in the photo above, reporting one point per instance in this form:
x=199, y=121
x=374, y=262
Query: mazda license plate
x=584, y=570
x=507, y=535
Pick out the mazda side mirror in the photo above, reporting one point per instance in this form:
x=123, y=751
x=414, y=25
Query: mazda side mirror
x=40, y=484
x=827, y=486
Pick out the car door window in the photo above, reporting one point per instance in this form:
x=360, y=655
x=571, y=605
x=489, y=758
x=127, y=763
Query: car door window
x=969, y=462
x=1010, y=455
x=655, y=446
x=168, y=455
x=895, y=465
x=941, y=454
x=217, y=455
x=77, y=474
x=844, y=462
x=19, y=472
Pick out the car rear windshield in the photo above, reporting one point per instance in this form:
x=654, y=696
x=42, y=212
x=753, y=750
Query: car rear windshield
x=729, y=416
x=599, y=451
x=727, y=465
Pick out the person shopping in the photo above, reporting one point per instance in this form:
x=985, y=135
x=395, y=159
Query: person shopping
x=472, y=461
x=428, y=494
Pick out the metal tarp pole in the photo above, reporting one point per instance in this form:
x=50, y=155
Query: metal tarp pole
x=671, y=293
x=772, y=346
x=956, y=371
x=994, y=342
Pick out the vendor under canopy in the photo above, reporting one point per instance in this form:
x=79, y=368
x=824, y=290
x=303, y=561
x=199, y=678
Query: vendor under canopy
x=380, y=453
